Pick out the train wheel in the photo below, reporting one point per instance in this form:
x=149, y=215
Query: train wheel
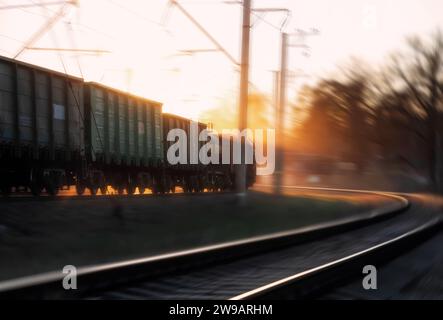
x=130, y=189
x=36, y=189
x=156, y=187
x=103, y=190
x=195, y=185
x=51, y=189
x=185, y=186
x=80, y=189
x=141, y=189
x=5, y=190
x=93, y=190
x=120, y=190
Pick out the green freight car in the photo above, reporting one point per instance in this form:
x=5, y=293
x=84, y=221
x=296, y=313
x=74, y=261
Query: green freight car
x=41, y=128
x=123, y=138
x=57, y=131
x=189, y=176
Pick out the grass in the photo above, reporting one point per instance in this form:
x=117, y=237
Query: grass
x=39, y=236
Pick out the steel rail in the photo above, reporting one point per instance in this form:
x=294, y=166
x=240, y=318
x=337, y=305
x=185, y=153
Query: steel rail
x=103, y=275
x=312, y=281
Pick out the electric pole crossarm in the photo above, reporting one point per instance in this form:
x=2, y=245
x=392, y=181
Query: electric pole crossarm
x=47, y=26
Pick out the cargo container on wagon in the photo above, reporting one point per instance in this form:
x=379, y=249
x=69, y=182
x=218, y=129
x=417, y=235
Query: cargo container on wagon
x=57, y=131
x=189, y=173
x=41, y=132
x=123, y=140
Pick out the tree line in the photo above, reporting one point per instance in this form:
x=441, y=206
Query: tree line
x=389, y=117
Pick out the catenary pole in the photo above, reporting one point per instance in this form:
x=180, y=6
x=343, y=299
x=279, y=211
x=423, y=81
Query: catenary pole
x=240, y=175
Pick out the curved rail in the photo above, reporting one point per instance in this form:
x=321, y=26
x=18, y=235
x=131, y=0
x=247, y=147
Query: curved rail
x=309, y=282
x=103, y=275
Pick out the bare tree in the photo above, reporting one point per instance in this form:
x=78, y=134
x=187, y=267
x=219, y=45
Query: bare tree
x=340, y=116
x=397, y=111
x=420, y=71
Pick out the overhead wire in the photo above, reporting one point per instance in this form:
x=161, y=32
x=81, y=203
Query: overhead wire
x=76, y=100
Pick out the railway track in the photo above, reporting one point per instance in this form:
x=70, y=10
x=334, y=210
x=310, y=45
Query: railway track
x=293, y=264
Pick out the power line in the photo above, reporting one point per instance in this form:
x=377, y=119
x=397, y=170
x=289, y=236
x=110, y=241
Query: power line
x=212, y=39
x=135, y=13
x=19, y=6
x=73, y=43
x=70, y=22
x=11, y=38
x=94, y=51
x=141, y=17
x=43, y=29
x=261, y=18
x=204, y=31
x=6, y=51
x=66, y=22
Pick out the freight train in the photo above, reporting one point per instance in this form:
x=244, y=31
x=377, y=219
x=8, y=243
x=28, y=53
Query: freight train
x=58, y=131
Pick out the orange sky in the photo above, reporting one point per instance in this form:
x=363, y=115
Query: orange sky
x=147, y=47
